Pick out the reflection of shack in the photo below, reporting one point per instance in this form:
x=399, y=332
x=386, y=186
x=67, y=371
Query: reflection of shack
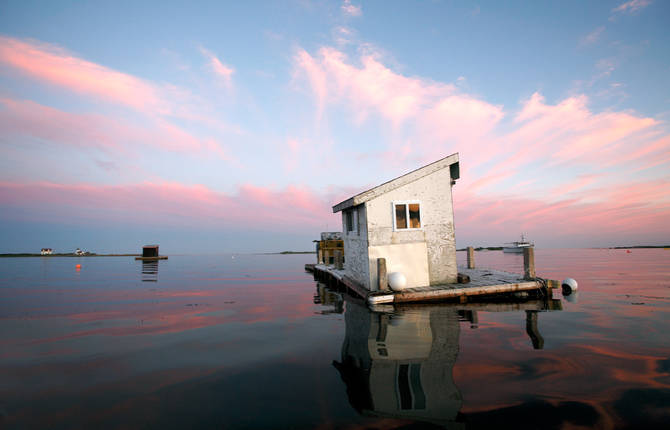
x=150, y=271
x=400, y=365
x=330, y=242
x=326, y=297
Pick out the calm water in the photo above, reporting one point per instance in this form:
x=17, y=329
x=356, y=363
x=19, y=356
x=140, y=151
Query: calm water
x=254, y=342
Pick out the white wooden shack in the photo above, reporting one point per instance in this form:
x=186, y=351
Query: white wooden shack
x=409, y=221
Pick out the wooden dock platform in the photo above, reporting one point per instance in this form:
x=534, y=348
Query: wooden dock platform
x=161, y=257
x=483, y=282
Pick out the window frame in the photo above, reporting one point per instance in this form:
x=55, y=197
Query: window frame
x=406, y=203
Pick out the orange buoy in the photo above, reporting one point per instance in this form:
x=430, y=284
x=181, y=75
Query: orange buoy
x=78, y=267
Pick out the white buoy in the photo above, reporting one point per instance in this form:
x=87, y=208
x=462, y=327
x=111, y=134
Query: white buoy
x=397, y=281
x=569, y=285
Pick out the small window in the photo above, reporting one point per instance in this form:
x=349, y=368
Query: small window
x=407, y=215
x=351, y=220
x=349, y=217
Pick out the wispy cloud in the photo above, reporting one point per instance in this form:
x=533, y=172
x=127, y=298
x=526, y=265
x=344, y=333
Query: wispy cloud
x=27, y=119
x=592, y=37
x=249, y=207
x=223, y=71
x=631, y=6
x=374, y=88
x=350, y=9
x=54, y=65
x=502, y=148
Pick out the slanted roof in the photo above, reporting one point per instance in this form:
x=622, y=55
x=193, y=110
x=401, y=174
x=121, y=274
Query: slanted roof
x=400, y=181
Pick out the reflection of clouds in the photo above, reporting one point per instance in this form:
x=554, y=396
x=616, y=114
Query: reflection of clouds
x=593, y=376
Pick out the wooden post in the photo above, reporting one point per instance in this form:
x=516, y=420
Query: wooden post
x=471, y=257
x=338, y=259
x=382, y=278
x=529, y=263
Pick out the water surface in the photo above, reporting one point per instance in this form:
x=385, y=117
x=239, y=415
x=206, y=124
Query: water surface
x=252, y=341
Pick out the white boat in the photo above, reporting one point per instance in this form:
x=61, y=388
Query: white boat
x=517, y=247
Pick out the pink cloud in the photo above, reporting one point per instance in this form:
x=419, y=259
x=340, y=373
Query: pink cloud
x=637, y=212
x=316, y=76
x=592, y=37
x=56, y=66
x=631, y=6
x=250, y=207
x=350, y=9
x=569, y=131
x=562, y=149
x=25, y=118
x=224, y=72
x=374, y=88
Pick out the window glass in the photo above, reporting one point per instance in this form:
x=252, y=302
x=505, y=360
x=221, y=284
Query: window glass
x=350, y=220
x=414, y=221
x=400, y=216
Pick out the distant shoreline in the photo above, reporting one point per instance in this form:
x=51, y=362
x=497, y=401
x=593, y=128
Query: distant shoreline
x=637, y=247
x=287, y=252
x=65, y=255
x=499, y=248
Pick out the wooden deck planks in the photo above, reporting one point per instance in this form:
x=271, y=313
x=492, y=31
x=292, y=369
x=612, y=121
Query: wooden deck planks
x=482, y=282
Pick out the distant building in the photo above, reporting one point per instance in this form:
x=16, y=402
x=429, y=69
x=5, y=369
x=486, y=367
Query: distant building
x=409, y=221
x=330, y=242
x=79, y=252
x=46, y=251
x=150, y=251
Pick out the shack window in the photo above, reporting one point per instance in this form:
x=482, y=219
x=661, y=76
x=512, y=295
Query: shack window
x=407, y=215
x=351, y=220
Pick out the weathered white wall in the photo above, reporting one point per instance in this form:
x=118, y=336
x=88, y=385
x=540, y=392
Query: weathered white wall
x=408, y=258
x=437, y=221
x=356, y=248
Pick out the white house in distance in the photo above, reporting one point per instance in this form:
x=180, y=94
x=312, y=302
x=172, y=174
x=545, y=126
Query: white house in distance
x=409, y=221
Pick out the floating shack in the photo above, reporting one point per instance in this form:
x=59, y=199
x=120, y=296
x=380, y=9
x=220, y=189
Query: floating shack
x=404, y=229
x=408, y=221
x=150, y=252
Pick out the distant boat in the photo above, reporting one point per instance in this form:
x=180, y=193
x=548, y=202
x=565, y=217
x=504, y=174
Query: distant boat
x=517, y=247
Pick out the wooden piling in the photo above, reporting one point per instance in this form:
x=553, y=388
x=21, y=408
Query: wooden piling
x=529, y=263
x=383, y=283
x=338, y=260
x=471, y=257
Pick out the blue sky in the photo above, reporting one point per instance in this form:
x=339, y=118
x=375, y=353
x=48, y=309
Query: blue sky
x=238, y=125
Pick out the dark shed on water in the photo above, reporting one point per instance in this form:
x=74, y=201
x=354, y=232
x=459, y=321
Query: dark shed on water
x=150, y=251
